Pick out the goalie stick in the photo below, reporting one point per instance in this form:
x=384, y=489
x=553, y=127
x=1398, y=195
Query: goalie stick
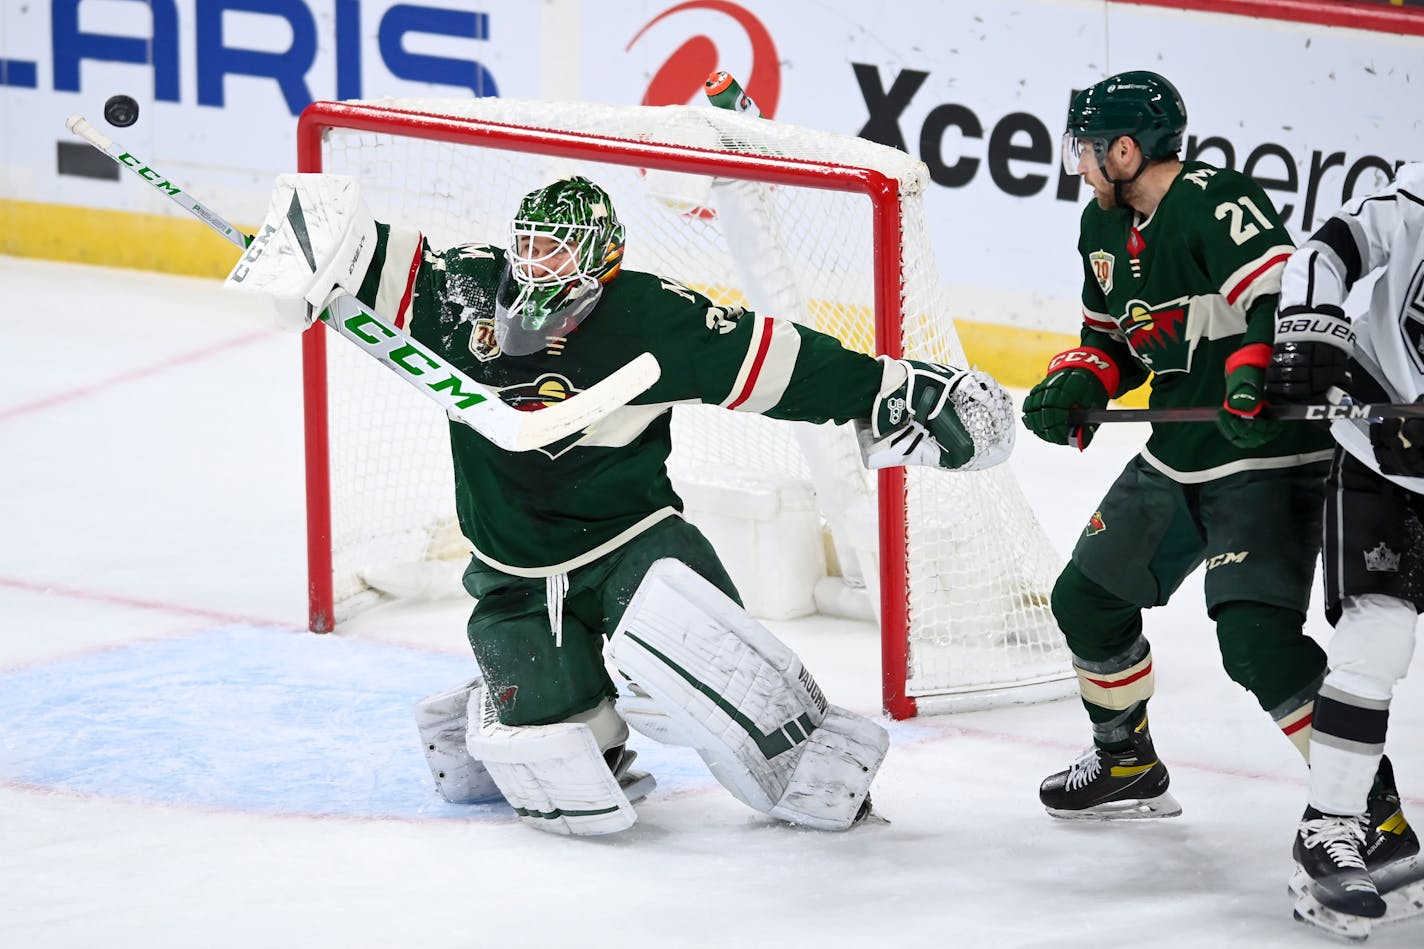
x=468, y=402
x=463, y=399
x=1324, y=412
x=80, y=126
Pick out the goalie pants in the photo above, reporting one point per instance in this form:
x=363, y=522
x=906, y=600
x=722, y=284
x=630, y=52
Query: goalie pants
x=539, y=678
x=1257, y=532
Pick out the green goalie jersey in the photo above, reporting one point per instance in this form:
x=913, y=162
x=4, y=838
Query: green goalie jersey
x=546, y=511
x=1178, y=293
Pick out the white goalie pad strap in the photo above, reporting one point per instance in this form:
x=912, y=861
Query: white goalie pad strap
x=705, y=674
x=554, y=776
x=832, y=778
x=443, y=721
x=317, y=237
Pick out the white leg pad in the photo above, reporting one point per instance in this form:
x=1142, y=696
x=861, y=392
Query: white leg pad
x=554, y=776
x=705, y=674
x=443, y=719
x=832, y=777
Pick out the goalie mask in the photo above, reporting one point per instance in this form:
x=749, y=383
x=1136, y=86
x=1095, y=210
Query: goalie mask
x=1139, y=104
x=565, y=243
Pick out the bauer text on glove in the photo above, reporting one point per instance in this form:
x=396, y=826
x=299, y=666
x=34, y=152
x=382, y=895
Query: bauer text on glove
x=1311, y=354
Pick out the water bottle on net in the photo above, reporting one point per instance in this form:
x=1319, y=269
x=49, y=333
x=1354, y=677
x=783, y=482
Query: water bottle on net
x=724, y=92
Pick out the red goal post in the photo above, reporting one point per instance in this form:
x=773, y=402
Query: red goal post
x=376, y=137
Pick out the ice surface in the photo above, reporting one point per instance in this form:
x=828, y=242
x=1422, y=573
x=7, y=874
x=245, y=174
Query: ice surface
x=181, y=766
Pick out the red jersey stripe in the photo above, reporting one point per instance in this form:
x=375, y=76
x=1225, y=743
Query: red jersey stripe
x=763, y=345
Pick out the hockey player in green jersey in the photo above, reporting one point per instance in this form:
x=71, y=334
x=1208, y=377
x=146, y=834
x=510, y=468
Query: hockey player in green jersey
x=582, y=540
x=1181, y=271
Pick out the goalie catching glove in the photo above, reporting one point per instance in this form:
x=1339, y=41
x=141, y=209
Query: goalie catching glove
x=927, y=414
x=318, y=239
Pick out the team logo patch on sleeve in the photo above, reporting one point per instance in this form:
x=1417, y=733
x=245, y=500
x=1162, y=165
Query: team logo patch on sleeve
x=1096, y=524
x=1102, y=263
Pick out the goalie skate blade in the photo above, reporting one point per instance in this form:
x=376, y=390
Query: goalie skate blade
x=1163, y=805
x=637, y=785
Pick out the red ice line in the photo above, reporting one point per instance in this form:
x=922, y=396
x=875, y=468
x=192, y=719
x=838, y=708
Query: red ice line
x=132, y=375
x=50, y=589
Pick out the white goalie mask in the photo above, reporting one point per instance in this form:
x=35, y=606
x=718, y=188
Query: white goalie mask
x=565, y=243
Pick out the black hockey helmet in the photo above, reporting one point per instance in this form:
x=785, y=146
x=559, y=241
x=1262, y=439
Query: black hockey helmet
x=1139, y=104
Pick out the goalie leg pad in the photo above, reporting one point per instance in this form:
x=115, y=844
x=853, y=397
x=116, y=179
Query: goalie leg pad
x=554, y=776
x=443, y=720
x=832, y=777
x=705, y=674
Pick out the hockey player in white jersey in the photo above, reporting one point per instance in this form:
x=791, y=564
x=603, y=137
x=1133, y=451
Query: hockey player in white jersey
x=1357, y=859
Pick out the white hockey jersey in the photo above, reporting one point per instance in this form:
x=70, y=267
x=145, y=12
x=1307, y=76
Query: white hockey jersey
x=1384, y=229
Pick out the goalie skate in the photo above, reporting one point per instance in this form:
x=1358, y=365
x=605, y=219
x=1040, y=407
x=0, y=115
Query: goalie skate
x=636, y=785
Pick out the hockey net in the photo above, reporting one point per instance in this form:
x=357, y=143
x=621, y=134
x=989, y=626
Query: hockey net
x=825, y=229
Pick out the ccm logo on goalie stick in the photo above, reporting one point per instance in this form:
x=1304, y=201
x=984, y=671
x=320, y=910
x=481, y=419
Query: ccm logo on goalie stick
x=254, y=251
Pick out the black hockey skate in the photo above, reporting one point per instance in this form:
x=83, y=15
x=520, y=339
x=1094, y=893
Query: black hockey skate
x=1108, y=785
x=1329, y=851
x=1389, y=849
x=1392, y=850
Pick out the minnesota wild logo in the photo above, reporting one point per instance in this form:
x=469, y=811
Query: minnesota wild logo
x=1156, y=332
x=549, y=389
x=1096, y=524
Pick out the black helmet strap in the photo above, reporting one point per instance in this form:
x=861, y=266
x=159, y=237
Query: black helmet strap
x=1119, y=183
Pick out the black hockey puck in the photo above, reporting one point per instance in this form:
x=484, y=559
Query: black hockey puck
x=121, y=111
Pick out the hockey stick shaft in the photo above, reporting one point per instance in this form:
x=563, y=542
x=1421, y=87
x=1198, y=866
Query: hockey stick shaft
x=1325, y=412
x=470, y=403
x=81, y=126
x=463, y=399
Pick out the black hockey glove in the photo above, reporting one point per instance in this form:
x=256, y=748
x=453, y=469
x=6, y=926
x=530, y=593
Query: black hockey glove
x=1399, y=446
x=1311, y=351
x=1239, y=419
x=1077, y=378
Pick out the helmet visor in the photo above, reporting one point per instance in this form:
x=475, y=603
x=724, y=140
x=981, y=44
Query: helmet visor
x=1074, y=148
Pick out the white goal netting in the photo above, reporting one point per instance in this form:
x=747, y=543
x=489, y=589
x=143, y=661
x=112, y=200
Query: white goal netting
x=759, y=214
